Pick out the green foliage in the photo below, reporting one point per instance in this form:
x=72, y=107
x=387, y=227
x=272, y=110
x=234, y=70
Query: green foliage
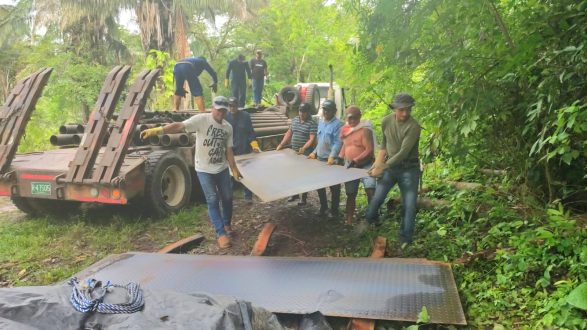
x=162, y=94
x=504, y=79
x=578, y=297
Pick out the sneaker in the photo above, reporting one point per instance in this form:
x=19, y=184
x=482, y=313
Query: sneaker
x=223, y=242
x=229, y=231
x=302, y=203
x=293, y=198
x=249, y=201
x=323, y=211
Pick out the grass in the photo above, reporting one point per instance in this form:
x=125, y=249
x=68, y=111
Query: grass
x=41, y=251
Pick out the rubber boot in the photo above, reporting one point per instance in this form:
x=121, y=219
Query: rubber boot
x=200, y=103
x=335, y=195
x=350, y=209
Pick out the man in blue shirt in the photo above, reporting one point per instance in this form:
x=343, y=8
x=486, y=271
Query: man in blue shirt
x=189, y=69
x=243, y=135
x=239, y=71
x=327, y=149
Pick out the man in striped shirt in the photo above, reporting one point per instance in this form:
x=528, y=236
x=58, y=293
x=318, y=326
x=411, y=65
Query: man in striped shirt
x=302, y=133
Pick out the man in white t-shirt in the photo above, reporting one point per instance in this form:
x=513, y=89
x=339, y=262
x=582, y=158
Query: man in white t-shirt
x=213, y=158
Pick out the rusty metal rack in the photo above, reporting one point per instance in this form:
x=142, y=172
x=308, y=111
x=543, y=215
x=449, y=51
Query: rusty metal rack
x=16, y=112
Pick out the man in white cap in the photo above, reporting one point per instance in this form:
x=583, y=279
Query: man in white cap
x=213, y=158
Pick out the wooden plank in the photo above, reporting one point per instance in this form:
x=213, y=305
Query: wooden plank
x=122, y=134
x=86, y=154
x=16, y=113
x=379, y=245
x=263, y=240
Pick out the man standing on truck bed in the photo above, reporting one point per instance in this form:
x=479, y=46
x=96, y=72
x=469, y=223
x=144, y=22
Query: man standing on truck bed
x=327, y=150
x=259, y=72
x=244, y=140
x=302, y=133
x=238, y=70
x=398, y=162
x=213, y=157
x=188, y=70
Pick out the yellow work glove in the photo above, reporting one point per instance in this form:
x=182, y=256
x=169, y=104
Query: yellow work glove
x=236, y=174
x=225, y=83
x=255, y=146
x=312, y=156
x=279, y=147
x=301, y=151
x=151, y=132
x=330, y=160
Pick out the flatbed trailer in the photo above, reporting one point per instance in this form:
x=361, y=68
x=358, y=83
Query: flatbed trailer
x=110, y=164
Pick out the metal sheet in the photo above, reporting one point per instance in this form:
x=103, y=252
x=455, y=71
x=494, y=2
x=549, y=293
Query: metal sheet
x=273, y=175
x=387, y=289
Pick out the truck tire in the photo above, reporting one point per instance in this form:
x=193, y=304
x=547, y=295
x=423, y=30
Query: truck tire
x=289, y=95
x=22, y=203
x=168, y=183
x=312, y=97
x=43, y=207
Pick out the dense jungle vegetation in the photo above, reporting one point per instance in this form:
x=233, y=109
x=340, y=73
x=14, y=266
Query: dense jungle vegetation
x=499, y=85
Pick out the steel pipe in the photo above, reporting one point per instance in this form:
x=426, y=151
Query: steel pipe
x=180, y=139
x=65, y=139
x=71, y=129
x=262, y=131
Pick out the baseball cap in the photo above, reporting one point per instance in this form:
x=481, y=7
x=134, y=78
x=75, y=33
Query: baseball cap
x=220, y=103
x=232, y=100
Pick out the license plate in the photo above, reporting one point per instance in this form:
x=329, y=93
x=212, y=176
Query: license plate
x=41, y=188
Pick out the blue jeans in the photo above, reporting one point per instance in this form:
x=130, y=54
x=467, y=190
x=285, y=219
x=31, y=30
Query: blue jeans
x=218, y=191
x=407, y=180
x=258, y=85
x=239, y=90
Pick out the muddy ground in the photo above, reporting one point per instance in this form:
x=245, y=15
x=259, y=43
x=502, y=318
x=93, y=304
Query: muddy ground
x=299, y=231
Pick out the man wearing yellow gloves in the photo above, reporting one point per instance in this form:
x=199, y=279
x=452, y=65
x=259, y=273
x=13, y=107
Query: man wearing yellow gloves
x=327, y=150
x=213, y=158
x=244, y=140
x=238, y=71
x=188, y=70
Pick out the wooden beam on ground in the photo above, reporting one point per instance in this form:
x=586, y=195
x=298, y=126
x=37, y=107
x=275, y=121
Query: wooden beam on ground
x=183, y=245
x=263, y=239
x=379, y=245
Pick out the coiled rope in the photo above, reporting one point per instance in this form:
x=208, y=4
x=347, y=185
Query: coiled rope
x=89, y=297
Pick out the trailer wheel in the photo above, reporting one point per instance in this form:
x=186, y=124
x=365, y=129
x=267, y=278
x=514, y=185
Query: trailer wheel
x=289, y=96
x=42, y=207
x=312, y=97
x=168, y=183
x=22, y=203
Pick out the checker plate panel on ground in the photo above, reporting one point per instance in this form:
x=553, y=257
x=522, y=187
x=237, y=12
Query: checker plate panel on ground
x=273, y=175
x=385, y=289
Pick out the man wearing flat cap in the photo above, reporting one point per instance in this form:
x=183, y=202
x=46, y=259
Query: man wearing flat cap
x=398, y=162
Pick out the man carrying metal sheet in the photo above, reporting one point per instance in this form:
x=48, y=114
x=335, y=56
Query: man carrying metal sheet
x=327, y=150
x=398, y=162
x=357, y=151
x=302, y=133
x=213, y=158
x=244, y=140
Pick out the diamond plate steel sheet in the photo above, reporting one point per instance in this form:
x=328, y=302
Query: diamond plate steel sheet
x=274, y=175
x=385, y=289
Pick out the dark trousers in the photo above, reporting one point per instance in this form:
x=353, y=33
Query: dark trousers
x=335, y=192
x=239, y=90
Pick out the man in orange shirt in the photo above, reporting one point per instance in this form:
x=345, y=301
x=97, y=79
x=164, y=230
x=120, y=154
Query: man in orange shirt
x=357, y=151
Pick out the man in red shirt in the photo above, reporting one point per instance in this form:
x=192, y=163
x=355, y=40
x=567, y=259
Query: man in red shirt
x=357, y=151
